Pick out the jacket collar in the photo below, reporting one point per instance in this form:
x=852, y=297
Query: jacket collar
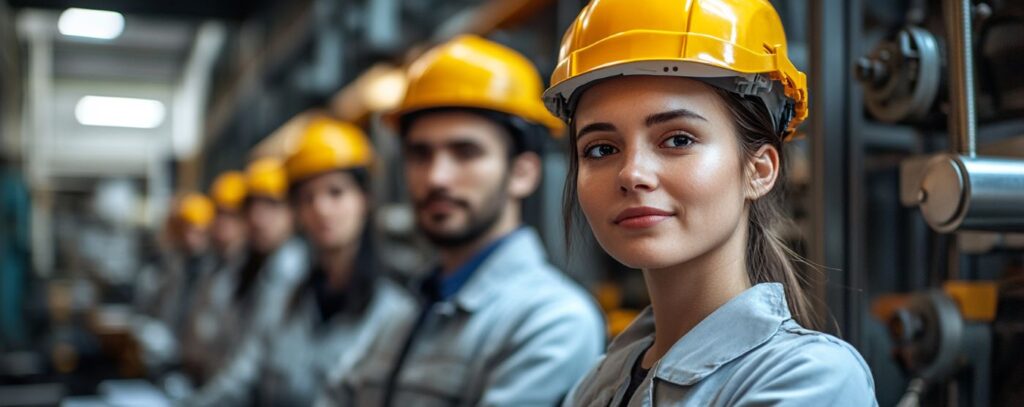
x=520, y=252
x=742, y=324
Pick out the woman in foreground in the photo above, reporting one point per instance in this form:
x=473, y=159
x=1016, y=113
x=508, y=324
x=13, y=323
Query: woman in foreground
x=678, y=112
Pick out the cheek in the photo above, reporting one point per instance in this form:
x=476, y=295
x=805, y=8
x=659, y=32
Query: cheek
x=595, y=189
x=239, y=225
x=415, y=178
x=477, y=178
x=282, y=219
x=346, y=208
x=254, y=220
x=354, y=215
x=709, y=187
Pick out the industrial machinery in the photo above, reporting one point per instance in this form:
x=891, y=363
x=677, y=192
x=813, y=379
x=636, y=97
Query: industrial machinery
x=950, y=341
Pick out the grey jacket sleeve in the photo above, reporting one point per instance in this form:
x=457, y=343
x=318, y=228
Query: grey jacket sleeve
x=233, y=386
x=551, y=350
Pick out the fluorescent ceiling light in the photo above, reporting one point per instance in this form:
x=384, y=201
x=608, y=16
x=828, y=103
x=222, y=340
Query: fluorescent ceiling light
x=99, y=24
x=119, y=112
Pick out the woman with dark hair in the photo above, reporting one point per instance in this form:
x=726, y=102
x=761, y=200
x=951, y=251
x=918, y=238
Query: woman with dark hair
x=678, y=111
x=338, y=310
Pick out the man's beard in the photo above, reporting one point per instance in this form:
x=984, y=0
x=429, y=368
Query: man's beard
x=478, y=223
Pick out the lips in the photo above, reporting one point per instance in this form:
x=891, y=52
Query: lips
x=641, y=217
x=441, y=206
x=439, y=200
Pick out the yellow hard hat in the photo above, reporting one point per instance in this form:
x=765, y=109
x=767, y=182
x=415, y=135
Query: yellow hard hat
x=266, y=178
x=737, y=45
x=472, y=72
x=228, y=190
x=328, y=145
x=195, y=209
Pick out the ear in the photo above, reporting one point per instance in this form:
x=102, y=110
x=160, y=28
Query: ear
x=525, y=175
x=762, y=171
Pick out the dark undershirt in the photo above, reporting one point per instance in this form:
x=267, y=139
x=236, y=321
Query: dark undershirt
x=636, y=376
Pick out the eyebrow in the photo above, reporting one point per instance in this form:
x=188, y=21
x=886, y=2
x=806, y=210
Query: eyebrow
x=594, y=128
x=453, y=143
x=651, y=120
x=662, y=117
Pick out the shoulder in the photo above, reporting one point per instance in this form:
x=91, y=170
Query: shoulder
x=544, y=288
x=392, y=298
x=819, y=349
x=540, y=302
x=812, y=366
x=290, y=263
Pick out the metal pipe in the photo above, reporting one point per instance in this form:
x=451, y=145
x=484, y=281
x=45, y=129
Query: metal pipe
x=973, y=194
x=962, y=115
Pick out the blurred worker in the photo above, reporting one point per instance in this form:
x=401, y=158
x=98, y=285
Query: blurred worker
x=342, y=306
x=165, y=290
x=204, y=340
x=229, y=229
x=276, y=260
x=187, y=230
x=679, y=112
x=274, y=264
x=498, y=324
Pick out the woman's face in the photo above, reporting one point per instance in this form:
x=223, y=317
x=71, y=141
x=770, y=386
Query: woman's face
x=660, y=175
x=331, y=209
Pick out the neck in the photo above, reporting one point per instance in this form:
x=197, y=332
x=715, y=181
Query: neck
x=453, y=257
x=338, y=264
x=232, y=250
x=276, y=246
x=684, y=294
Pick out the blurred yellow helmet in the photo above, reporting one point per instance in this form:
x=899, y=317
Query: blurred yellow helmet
x=266, y=178
x=195, y=209
x=328, y=145
x=472, y=72
x=737, y=45
x=228, y=190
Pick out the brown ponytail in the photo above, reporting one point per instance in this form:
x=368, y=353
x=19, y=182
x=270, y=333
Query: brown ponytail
x=769, y=259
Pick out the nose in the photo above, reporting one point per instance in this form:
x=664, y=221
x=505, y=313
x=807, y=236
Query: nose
x=441, y=170
x=320, y=205
x=637, y=172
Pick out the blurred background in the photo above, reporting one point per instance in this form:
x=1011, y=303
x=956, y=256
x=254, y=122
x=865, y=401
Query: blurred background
x=906, y=184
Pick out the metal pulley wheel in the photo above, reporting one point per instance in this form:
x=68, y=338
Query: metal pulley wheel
x=928, y=335
x=901, y=77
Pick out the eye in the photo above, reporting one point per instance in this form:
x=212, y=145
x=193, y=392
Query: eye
x=599, y=151
x=418, y=154
x=678, y=141
x=467, y=151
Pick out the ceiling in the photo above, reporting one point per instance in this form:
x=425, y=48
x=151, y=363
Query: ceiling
x=150, y=49
x=195, y=9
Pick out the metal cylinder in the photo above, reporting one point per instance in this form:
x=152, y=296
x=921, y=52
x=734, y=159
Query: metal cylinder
x=962, y=117
x=964, y=193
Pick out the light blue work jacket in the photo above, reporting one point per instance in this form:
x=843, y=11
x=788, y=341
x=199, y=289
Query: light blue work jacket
x=518, y=333
x=290, y=364
x=748, y=352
